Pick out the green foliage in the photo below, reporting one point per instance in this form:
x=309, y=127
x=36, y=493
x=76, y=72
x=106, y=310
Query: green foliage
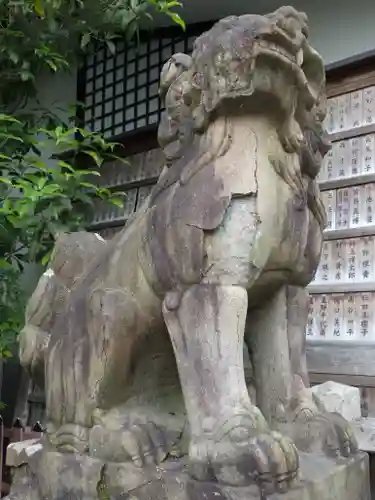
x=47, y=34
x=41, y=197
x=41, y=194
x=12, y=305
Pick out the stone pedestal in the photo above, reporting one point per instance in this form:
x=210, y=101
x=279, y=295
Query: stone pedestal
x=54, y=476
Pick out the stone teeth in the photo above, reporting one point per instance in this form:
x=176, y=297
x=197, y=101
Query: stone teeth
x=276, y=48
x=300, y=57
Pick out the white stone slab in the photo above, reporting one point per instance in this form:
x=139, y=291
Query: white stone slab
x=340, y=398
x=20, y=452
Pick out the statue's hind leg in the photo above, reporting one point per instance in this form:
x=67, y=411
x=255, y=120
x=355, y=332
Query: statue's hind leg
x=231, y=441
x=127, y=426
x=276, y=337
x=312, y=424
x=267, y=338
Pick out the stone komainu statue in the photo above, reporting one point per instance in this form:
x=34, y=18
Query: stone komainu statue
x=143, y=357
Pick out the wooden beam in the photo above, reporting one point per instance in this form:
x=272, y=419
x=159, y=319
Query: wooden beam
x=350, y=363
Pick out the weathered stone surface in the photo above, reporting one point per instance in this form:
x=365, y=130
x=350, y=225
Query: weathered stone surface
x=340, y=398
x=24, y=486
x=84, y=478
x=140, y=345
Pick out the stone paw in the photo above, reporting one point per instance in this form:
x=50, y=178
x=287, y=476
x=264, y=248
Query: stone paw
x=141, y=443
x=330, y=433
x=269, y=460
x=313, y=428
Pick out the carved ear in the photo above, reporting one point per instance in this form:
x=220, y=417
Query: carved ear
x=171, y=70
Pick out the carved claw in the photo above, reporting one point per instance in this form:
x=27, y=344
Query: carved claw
x=141, y=443
x=336, y=435
x=269, y=460
x=145, y=444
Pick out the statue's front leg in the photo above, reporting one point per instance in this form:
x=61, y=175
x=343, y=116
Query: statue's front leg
x=230, y=439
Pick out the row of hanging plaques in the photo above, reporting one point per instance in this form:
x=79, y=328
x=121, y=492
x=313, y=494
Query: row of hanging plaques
x=347, y=261
x=341, y=316
x=142, y=167
x=347, y=316
x=107, y=213
x=349, y=158
x=136, y=168
x=350, y=207
x=351, y=110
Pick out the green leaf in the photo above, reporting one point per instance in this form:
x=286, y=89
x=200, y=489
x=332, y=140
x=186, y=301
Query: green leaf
x=111, y=47
x=5, y=157
x=26, y=76
x=118, y=202
x=85, y=40
x=66, y=165
x=131, y=30
x=42, y=182
x=5, y=264
x=98, y=160
x=81, y=173
x=37, y=163
x=177, y=19
x=14, y=57
x=58, y=131
x=174, y=3
x=51, y=189
x=8, y=118
x=104, y=192
x=52, y=65
x=5, y=180
x=49, y=133
x=11, y=137
x=88, y=185
x=46, y=258
x=122, y=160
x=38, y=6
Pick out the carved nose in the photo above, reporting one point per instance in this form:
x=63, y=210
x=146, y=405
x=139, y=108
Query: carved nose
x=292, y=22
x=292, y=27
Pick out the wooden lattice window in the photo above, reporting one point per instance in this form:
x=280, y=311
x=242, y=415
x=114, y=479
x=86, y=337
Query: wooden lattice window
x=120, y=89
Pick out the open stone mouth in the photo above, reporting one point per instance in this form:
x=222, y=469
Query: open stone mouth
x=299, y=61
x=281, y=52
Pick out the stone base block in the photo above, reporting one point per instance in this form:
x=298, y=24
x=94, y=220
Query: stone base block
x=54, y=476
